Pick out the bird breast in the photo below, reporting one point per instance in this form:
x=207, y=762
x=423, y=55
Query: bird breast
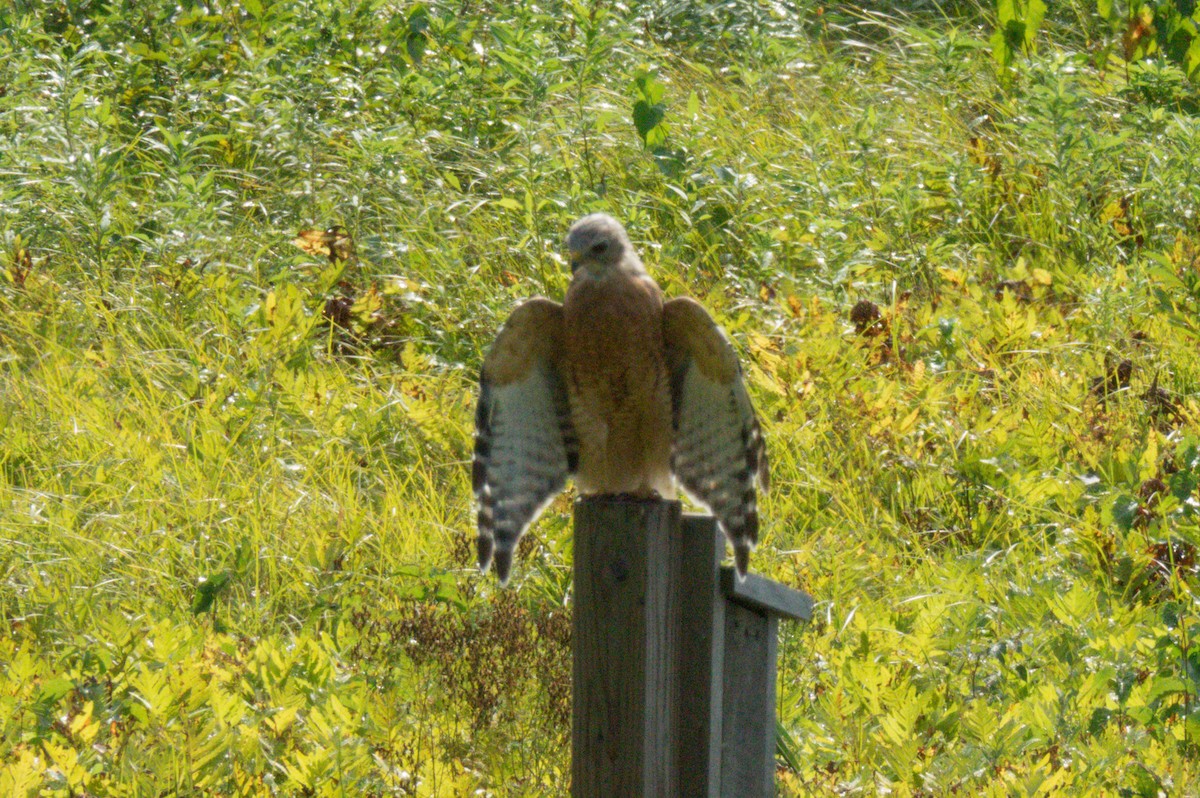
x=618, y=384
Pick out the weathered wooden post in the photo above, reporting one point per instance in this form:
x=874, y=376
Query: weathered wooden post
x=623, y=638
x=674, y=669
x=728, y=632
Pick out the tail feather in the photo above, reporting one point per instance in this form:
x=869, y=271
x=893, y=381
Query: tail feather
x=741, y=557
x=503, y=560
x=742, y=529
x=484, y=546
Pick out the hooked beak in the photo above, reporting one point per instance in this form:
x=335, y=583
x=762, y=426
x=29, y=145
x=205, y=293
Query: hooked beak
x=576, y=258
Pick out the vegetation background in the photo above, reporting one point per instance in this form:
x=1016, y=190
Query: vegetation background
x=957, y=245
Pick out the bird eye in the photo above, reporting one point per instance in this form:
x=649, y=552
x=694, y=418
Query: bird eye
x=599, y=249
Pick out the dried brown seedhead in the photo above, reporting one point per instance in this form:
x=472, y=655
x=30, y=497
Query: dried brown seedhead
x=867, y=318
x=1116, y=377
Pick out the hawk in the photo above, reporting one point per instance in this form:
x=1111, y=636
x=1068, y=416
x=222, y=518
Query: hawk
x=623, y=391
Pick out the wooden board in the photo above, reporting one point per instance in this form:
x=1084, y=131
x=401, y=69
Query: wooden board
x=748, y=703
x=767, y=596
x=701, y=648
x=624, y=648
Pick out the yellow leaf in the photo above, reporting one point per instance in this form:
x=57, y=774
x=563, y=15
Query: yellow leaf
x=908, y=421
x=1042, y=277
x=67, y=761
x=1140, y=28
x=918, y=372
x=953, y=276
x=282, y=720
x=22, y=773
x=369, y=303
x=1116, y=213
x=1148, y=463
x=977, y=151
x=83, y=725
x=334, y=243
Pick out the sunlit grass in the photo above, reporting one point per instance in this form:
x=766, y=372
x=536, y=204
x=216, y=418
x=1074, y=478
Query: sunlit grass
x=235, y=540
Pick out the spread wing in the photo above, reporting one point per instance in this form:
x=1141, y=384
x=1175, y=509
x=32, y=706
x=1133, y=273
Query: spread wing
x=719, y=452
x=525, y=446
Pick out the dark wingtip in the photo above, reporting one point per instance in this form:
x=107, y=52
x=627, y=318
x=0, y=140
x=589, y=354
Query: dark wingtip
x=484, y=547
x=478, y=470
x=741, y=558
x=503, y=565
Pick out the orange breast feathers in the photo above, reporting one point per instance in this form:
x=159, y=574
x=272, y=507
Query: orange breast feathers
x=618, y=384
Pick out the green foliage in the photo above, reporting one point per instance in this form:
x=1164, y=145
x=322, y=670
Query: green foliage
x=649, y=109
x=1169, y=28
x=1017, y=24
x=235, y=521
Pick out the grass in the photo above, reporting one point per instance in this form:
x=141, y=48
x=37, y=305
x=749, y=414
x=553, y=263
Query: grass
x=235, y=538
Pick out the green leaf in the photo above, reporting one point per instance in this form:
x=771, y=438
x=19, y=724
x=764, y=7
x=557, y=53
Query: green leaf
x=1018, y=22
x=143, y=51
x=1178, y=43
x=418, y=24
x=1002, y=52
x=1034, y=14
x=1165, y=686
x=787, y=749
x=1144, y=783
x=648, y=121
x=1099, y=720
x=52, y=690
x=1183, y=484
x=1170, y=614
x=1192, y=726
x=648, y=108
x=208, y=590
x=1191, y=61
x=1124, y=511
x=648, y=87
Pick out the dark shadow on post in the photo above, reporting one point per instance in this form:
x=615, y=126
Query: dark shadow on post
x=674, y=658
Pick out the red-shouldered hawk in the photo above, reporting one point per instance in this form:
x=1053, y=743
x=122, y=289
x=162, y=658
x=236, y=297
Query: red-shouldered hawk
x=623, y=391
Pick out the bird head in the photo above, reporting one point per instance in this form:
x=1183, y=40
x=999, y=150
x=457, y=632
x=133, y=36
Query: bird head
x=599, y=244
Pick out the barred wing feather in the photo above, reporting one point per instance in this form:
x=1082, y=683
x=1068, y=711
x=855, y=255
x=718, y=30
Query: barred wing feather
x=525, y=446
x=719, y=454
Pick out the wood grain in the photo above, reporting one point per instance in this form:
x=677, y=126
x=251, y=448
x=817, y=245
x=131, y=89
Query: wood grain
x=624, y=648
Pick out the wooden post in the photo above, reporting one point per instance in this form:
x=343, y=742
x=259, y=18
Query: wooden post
x=701, y=661
x=753, y=607
x=622, y=717
x=728, y=629
x=674, y=657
